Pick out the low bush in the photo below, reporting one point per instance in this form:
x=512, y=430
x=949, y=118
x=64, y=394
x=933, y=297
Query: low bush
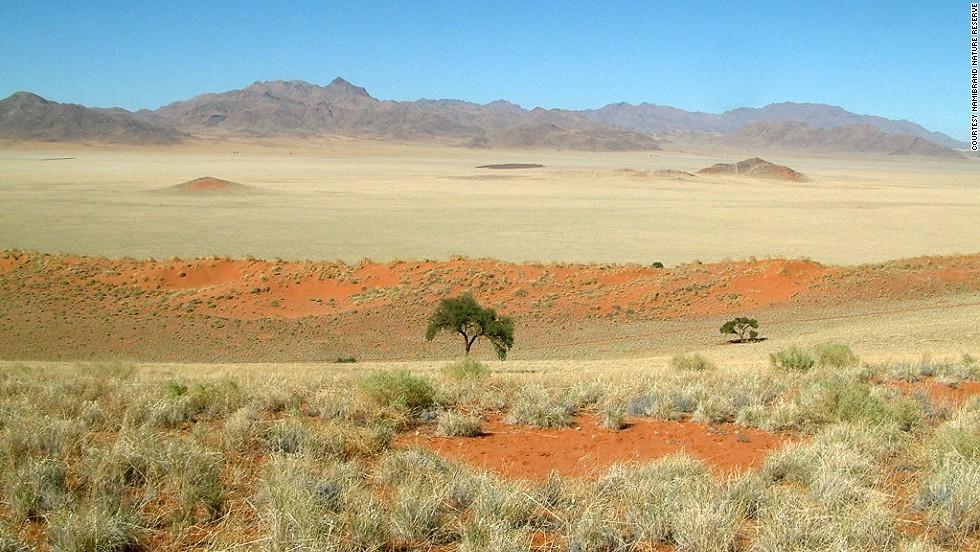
x=792, y=359
x=465, y=369
x=398, y=388
x=691, y=363
x=456, y=424
x=835, y=355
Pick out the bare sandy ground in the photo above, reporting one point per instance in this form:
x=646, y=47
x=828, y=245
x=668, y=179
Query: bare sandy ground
x=346, y=199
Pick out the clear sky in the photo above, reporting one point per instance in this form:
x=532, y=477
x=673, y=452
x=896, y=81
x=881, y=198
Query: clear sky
x=900, y=59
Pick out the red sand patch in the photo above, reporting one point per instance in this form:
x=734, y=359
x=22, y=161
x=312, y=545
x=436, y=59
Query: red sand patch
x=209, y=185
x=939, y=392
x=586, y=448
x=205, y=183
x=8, y=263
x=195, y=274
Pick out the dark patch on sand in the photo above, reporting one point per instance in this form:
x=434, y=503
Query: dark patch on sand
x=512, y=166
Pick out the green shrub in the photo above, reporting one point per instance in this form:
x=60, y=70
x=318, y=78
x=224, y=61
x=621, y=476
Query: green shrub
x=174, y=388
x=345, y=360
x=183, y=404
x=456, y=424
x=839, y=399
x=835, y=355
x=792, y=359
x=398, y=388
x=467, y=368
x=691, y=363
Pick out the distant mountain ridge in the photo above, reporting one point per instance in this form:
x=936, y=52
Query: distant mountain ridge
x=303, y=110
x=26, y=116
x=279, y=108
x=656, y=119
x=856, y=138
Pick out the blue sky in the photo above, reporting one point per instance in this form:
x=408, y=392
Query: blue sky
x=896, y=59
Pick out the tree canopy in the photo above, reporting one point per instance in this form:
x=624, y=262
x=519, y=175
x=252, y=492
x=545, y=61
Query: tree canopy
x=464, y=316
x=743, y=328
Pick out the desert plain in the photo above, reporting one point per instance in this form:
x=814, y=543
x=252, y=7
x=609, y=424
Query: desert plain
x=301, y=200
x=566, y=247
x=218, y=345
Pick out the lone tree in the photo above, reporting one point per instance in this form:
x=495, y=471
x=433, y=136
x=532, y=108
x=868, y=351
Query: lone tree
x=464, y=316
x=744, y=328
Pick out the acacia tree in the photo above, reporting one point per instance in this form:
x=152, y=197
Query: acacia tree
x=744, y=328
x=464, y=316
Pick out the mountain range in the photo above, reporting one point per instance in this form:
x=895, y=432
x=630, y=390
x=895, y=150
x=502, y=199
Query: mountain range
x=656, y=119
x=26, y=116
x=303, y=110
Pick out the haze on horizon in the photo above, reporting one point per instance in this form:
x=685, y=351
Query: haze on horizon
x=903, y=61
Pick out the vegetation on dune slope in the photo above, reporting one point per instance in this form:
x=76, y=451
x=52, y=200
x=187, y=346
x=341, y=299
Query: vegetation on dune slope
x=111, y=457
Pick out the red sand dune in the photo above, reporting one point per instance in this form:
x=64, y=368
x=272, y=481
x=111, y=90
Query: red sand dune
x=256, y=309
x=258, y=288
x=586, y=449
x=936, y=391
x=755, y=167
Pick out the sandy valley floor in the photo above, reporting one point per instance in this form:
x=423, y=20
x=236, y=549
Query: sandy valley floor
x=350, y=200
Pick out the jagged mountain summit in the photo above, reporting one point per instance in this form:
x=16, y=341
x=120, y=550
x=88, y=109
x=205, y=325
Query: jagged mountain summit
x=282, y=108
